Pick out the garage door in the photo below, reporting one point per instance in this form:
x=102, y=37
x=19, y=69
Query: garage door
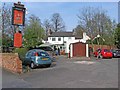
x=79, y=49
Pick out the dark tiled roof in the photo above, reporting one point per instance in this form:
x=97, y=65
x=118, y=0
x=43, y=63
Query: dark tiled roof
x=62, y=34
x=78, y=37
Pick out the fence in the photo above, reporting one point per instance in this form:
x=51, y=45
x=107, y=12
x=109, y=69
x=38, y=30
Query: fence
x=95, y=47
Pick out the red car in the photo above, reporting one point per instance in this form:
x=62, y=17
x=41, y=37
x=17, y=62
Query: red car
x=96, y=53
x=105, y=53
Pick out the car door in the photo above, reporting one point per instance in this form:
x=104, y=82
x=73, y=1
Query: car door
x=28, y=58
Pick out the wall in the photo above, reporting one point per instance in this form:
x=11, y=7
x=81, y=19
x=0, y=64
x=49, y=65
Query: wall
x=56, y=40
x=87, y=50
x=85, y=38
x=66, y=41
x=11, y=61
x=102, y=47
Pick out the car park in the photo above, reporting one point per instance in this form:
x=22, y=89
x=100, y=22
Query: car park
x=37, y=57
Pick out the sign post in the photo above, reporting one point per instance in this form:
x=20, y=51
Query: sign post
x=18, y=19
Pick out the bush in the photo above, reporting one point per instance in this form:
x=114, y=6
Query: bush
x=21, y=52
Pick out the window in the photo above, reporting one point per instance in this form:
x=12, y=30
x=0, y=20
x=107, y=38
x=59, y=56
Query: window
x=69, y=38
x=43, y=54
x=53, y=39
x=29, y=54
x=47, y=48
x=106, y=50
x=59, y=39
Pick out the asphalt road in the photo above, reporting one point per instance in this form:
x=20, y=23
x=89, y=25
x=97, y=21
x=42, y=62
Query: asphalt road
x=67, y=73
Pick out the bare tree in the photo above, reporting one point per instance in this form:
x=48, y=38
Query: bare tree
x=7, y=28
x=96, y=21
x=47, y=26
x=7, y=19
x=79, y=30
x=57, y=22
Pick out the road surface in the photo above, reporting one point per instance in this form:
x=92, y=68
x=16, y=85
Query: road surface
x=67, y=73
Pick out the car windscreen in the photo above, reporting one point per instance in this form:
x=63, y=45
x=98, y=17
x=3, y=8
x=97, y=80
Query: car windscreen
x=106, y=50
x=113, y=50
x=118, y=51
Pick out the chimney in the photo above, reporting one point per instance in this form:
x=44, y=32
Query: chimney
x=84, y=35
x=49, y=32
x=74, y=33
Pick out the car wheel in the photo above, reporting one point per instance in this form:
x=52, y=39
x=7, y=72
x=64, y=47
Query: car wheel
x=32, y=65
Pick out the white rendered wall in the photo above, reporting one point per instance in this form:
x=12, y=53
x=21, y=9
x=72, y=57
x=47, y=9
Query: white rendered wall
x=56, y=40
x=87, y=50
x=71, y=50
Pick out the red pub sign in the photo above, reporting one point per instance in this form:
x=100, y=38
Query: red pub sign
x=18, y=16
x=17, y=40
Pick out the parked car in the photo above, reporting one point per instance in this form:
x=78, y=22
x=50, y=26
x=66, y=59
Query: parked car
x=96, y=52
x=37, y=57
x=48, y=49
x=116, y=53
x=113, y=52
x=105, y=53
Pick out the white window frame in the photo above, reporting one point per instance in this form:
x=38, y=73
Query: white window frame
x=59, y=38
x=69, y=38
x=53, y=38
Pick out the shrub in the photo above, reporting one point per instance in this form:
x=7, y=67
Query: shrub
x=21, y=52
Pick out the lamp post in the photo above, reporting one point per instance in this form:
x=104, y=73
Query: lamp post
x=97, y=37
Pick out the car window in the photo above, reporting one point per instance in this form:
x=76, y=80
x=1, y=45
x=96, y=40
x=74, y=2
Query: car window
x=106, y=50
x=43, y=54
x=30, y=53
x=113, y=50
x=118, y=51
x=98, y=50
x=46, y=48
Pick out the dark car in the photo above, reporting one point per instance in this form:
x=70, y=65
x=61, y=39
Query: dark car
x=37, y=57
x=116, y=53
